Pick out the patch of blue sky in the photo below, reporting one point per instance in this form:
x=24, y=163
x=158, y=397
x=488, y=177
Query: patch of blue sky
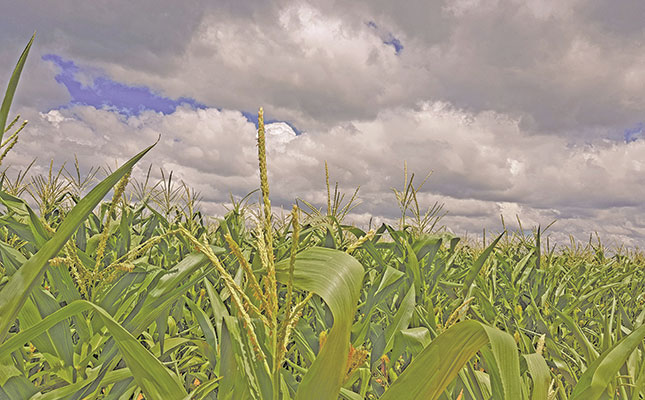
x=88, y=87
x=635, y=133
x=101, y=92
x=394, y=42
x=386, y=37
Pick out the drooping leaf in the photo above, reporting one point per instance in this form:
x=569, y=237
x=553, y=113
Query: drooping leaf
x=429, y=373
x=337, y=278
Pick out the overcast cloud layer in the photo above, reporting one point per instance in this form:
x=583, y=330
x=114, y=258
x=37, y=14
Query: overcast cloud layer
x=529, y=108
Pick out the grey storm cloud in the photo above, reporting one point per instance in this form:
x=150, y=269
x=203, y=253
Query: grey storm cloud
x=518, y=107
x=565, y=67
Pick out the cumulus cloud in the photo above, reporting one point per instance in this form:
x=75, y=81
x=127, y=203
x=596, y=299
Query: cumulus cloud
x=519, y=107
x=484, y=165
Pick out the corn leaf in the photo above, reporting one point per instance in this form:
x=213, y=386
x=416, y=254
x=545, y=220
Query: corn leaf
x=11, y=88
x=400, y=321
x=601, y=373
x=157, y=381
x=540, y=374
x=21, y=283
x=336, y=277
x=244, y=375
x=437, y=365
x=477, y=266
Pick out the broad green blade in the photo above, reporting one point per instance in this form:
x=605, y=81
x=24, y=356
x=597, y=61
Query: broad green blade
x=16, y=386
x=337, y=278
x=60, y=335
x=540, y=373
x=590, y=352
x=412, y=267
x=412, y=341
x=20, y=285
x=507, y=383
x=245, y=376
x=400, y=321
x=11, y=88
x=427, y=244
x=477, y=266
x=219, y=309
x=21, y=220
x=601, y=373
x=26, y=335
x=29, y=315
x=156, y=381
x=207, y=329
x=437, y=365
x=68, y=390
x=232, y=381
x=374, y=298
x=10, y=258
x=171, y=286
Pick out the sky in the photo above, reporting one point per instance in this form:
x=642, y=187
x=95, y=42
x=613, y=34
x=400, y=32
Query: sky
x=518, y=108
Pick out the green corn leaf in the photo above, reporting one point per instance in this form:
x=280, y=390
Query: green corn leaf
x=171, y=286
x=412, y=267
x=16, y=387
x=68, y=390
x=10, y=258
x=157, y=381
x=601, y=373
x=412, y=341
x=385, y=287
x=219, y=309
x=11, y=88
x=243, y=374
x=233, y=382
x=427, y=244
x=540, y=373
x=437, y=365
x=207, y=329
x=400, y=321
x=589, y=350
x=337, y=278
x=20, y=285
x=60, y=334
x=477, y=266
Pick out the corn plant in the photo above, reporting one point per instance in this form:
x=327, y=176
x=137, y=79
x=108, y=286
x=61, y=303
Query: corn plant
x=138, y=296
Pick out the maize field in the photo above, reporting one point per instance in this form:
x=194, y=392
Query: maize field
x=126, y=291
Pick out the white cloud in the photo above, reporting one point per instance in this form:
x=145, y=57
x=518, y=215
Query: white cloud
x=484, y=164
x=507, y=101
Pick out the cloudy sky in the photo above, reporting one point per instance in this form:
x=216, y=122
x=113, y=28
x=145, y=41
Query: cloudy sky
x=530, y=108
